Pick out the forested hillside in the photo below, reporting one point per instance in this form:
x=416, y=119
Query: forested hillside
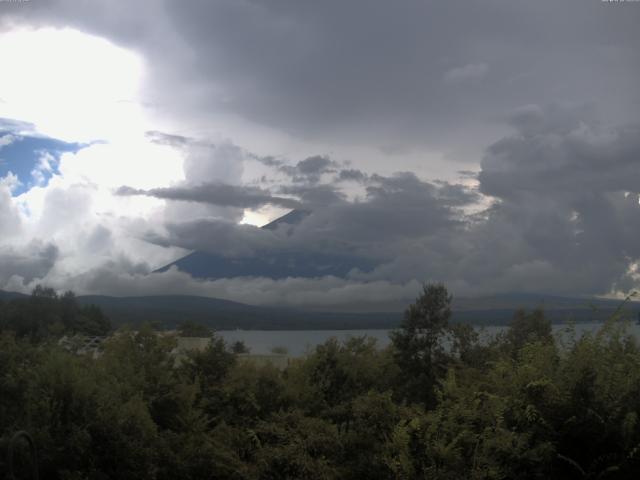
x=524, y=406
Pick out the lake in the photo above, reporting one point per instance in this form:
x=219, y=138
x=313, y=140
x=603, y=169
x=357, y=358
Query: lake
x=299, y=342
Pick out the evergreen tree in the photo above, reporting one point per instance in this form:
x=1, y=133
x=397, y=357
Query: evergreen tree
x=418, y=344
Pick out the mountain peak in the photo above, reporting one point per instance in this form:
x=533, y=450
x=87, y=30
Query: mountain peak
x=272, y=264
x=294, y=217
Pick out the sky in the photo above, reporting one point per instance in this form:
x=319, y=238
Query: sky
x=493, y=146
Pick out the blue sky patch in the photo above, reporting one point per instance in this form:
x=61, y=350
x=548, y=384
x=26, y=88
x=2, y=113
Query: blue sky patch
x=21, y=154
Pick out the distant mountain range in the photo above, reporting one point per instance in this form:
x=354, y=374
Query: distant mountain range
x=275, y=265
x=170, y=310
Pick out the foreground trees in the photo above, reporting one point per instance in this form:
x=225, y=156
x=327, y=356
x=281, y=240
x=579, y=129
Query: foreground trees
x=419, y=349
x=436, y=404
x=46, y=314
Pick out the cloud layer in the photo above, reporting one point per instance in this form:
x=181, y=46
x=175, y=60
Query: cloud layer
x=495, y=147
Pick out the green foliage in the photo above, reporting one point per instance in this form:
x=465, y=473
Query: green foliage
x=527, y=328
x=279, y=350
x=45, y=314
x=294, y=446
x=436, y=404
x=239, y=347
x=188, y=328
x=418, y=344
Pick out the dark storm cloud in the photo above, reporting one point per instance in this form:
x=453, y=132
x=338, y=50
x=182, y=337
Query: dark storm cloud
x=562, y=152
x=565, y=216
x=457, y=195
x=543, y=233
x=215, y=194
x=31, y=261
x=408, y=185
x=403, y=76
x=314, y=165
x=309, y=170
x=397, y=73
x=568, y=209
x=268, y=161
x=396, y=209
x=319, y=67
x=351, y=174
x=314, y=196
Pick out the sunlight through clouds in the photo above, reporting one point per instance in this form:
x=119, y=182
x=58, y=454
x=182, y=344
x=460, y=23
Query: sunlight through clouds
x=67, y=85
x=71, y=85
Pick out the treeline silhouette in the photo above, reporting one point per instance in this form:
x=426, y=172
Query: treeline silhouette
x=46, y=314
x=437, y=403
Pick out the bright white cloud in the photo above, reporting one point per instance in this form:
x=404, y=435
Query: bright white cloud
x=43, y=168
x=10, y=223
x=6, y=140
x=71, y=85
x=81, y=88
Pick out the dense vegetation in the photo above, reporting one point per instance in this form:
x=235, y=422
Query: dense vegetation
x=436, y=404
x=45, y=315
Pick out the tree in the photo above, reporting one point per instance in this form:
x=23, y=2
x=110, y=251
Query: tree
x=46, y=314
x=188, y=328
x=239, y=347
x=528, y=328
x=209, y=368
x=44, y=292
x=418, y=343
x=435, y=404
x=279, y=350
x=293, y=445
x=91, y=321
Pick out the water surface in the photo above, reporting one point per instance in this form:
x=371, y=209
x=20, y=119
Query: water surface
x=300, y=342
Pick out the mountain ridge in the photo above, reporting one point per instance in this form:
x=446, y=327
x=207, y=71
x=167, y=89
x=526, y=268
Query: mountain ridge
x=221, y=314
